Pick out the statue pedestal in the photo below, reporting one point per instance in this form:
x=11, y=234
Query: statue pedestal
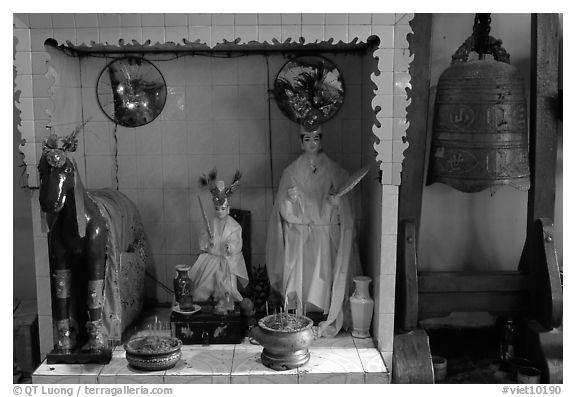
x=79, y=356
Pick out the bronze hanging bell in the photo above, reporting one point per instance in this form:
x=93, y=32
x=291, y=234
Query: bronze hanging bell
x=480, y=129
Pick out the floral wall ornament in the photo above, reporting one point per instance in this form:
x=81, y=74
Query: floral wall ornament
x=309, y=90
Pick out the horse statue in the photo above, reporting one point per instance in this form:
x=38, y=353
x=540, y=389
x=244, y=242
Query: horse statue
x=98, y=253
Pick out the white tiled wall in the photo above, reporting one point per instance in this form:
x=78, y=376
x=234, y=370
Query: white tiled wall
x=216, y=115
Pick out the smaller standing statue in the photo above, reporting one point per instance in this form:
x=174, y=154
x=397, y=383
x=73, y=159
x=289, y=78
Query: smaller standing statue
x=220, y=265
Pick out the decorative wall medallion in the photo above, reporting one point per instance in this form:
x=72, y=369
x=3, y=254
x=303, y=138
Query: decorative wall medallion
x=131, y=91
x=309, y=90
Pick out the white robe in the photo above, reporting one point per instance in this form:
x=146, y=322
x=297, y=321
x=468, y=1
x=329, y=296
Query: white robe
x=216, y=272
x=311, y=254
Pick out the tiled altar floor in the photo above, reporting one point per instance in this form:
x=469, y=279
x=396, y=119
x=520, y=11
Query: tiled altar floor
x=342, y=359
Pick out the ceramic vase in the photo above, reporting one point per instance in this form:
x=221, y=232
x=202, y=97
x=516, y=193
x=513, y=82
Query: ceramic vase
x=361, y=307
x=182, y=282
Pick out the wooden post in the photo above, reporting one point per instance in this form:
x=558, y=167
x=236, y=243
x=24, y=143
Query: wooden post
x=546, y=299
x=413, y=170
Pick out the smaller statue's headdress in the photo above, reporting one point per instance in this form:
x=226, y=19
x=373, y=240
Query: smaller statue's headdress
x=220, y=192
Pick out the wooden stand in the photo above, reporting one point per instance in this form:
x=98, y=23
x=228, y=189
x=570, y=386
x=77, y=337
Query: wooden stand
x=534, y=291
x=79, y=356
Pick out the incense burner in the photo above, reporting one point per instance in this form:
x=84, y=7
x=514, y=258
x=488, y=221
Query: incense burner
x=285, y=338
x=153, y=353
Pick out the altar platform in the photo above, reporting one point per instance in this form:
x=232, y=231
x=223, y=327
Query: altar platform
x=342, y=359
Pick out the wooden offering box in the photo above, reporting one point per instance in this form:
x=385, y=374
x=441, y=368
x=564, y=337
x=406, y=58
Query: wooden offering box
x=206, y=327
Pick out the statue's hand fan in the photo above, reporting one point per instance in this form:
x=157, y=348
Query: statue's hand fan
x=352, y=181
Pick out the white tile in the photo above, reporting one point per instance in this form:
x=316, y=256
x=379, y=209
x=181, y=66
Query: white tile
x=207, y=361
x=177, y=238
x=246, y=19
x=129, y=34
x=200, y=34
x=401, y=83
x=359, y=19
x=221, y=33
x=332, y=366
x=63, y=21
x=222, y=19
x=130, y=20
x=404, y=18
x=98, y=172
x=342, y=341
x=225, y=103
x=199, y=20
x=396, y=173
x=151, y=19
x=43, y=295
x=400, y=125
x=63, y=35
x=23, y=84
x=21, y=20
x=388, y=245
x=269, y=33
x=246, y=34
x=252, y=71
x=387, y=290
x=247, y=367
x=337, y=33
x=156, y=34
x=127, y=172
x=336, y=19
x=384, y=83
x=400, y=36
x=176, y=20
x=385, y=104
x=149, y=141
x=400, y=104
x=402, y=59
x=40, y=21
x=292, y=32
x=269, y=19
x=86, y=20
x=175, y=106
x=46, y=334
x=175, y=171
x=86, y=36
x=386, y=35
x=23, y=62
x=27, y=131
x=398, y=150
x=109, y=20
x=64, y=373
x=291, y=19
x=176, y=34
x=313, y=19
x=313, y=33
x=386, y=59
x=98, y=139
x=386, y=169
x=38, y=37
x=174, y=137
x=150, y=172
x=361, y=32
x=383, y=19
x=385, y=335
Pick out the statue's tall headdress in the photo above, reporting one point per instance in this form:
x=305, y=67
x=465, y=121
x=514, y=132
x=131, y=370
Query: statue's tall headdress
x=220, y=192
